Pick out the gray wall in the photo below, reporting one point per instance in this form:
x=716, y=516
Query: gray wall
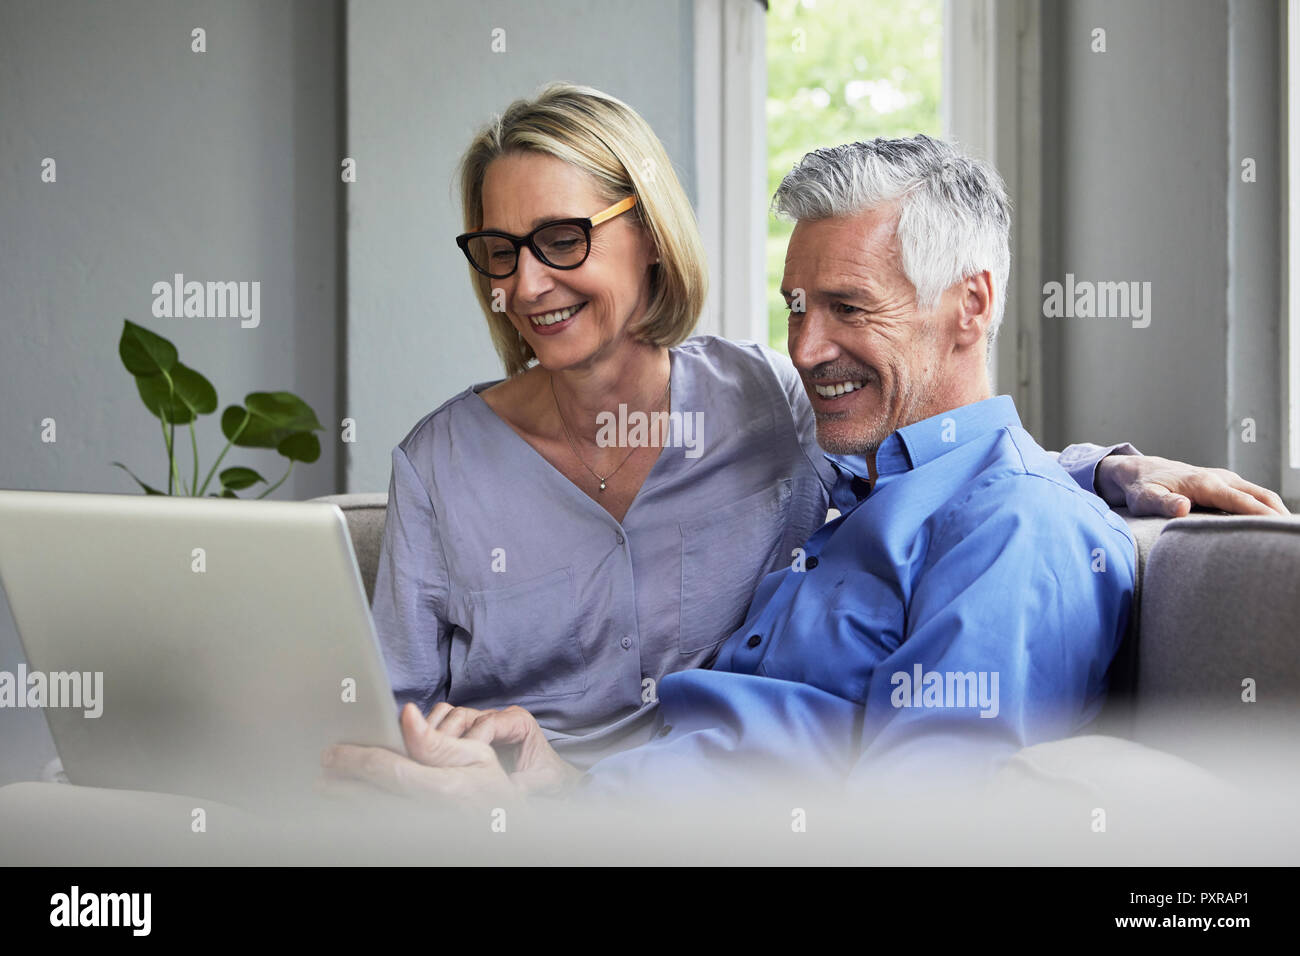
x=1142, y=146
x=422, y=78
x=218, y=165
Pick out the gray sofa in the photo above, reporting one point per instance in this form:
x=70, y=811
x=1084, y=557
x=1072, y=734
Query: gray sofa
x=1218, y=603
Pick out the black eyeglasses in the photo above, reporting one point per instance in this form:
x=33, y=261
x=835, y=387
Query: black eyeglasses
x=560, y=244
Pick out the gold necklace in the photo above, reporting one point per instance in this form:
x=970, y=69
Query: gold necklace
x=574, y=448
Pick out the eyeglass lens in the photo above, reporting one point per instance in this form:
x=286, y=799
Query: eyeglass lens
x=560, y=245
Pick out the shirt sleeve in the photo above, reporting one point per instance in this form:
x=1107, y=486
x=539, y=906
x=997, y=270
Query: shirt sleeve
x=1010, y=630
x=410, y=603
x=1081, y=460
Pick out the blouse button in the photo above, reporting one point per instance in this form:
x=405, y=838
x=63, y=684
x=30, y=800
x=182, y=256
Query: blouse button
x=626, y=642
x=618, y=538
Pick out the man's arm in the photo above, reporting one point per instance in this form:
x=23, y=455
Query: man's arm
x=1147, y=485
x=1011, y=627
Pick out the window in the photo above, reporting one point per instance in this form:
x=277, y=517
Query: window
x=840, y=71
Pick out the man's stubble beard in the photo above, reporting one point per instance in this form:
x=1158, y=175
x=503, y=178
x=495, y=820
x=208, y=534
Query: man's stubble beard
x=915, y=396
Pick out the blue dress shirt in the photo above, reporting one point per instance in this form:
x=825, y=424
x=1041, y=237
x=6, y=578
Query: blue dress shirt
x=966, y=605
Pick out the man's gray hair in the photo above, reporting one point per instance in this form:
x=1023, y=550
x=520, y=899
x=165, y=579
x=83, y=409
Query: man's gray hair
x=954, y=218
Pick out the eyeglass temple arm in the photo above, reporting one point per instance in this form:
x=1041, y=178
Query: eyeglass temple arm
x=618, y=208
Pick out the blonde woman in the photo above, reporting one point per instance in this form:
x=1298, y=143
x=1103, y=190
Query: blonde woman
x=537, y=551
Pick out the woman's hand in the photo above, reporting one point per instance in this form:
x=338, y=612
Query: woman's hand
x=462, y=765
x=464, y=771
x=1157, y=486
x=518, y=739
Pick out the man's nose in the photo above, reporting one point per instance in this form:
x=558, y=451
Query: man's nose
x=808, y=342
x=532, y=278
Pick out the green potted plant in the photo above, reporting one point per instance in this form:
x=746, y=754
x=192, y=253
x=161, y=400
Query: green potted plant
x=177, y=395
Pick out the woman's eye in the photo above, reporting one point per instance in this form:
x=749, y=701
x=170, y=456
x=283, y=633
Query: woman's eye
x=562, y=245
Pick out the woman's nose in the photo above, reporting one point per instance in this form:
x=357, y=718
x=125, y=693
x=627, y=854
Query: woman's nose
x=532, y=278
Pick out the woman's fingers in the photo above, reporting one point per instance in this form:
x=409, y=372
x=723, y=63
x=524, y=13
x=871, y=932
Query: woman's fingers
x=454, y=721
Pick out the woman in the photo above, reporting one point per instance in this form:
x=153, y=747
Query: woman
x=527, y=558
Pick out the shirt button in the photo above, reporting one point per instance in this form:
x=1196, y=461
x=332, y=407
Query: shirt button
x=618, y=538
x=665, y=730
x=754, y=641
x=626, y=642
x=811, y=563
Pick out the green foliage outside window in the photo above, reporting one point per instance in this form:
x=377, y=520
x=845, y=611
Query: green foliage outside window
x=839, y=71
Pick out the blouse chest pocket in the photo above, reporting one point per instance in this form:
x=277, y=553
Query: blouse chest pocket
x=523, y=643
x=724, y=555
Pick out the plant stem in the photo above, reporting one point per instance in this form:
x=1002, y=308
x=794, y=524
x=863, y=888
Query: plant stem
x=171, y=452
x=169, y=438
x=162, y=423
x=248, y=417
x=194, y=483
x=278, y=483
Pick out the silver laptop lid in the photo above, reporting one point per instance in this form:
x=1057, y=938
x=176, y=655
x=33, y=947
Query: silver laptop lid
x=233, y=638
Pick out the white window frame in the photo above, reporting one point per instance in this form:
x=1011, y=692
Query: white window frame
x=992, y=107
x=731, y=163
x=1291, y=290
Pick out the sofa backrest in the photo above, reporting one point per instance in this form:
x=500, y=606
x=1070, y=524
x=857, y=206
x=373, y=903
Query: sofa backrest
x=1219, y=654
x=365, y=515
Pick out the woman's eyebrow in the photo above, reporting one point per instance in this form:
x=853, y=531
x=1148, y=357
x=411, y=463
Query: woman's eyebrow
x=533, y=225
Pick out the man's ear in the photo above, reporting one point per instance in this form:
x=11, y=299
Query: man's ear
x=975, y=308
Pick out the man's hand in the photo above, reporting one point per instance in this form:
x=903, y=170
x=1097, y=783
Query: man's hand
x=1157, y=486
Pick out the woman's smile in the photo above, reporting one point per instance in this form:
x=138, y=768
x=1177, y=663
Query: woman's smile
x=556, y=320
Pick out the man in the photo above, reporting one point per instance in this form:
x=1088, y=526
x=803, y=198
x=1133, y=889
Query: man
x=968, y=601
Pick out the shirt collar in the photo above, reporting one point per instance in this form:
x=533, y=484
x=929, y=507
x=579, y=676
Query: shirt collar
x=919, y=443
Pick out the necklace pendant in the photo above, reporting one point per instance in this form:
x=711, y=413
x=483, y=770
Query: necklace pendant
x=602, y=484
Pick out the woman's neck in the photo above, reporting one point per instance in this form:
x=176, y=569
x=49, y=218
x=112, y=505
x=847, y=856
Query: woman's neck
x=636, y=377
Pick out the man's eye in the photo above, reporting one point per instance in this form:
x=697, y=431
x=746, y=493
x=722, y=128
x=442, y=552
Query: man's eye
x=843, y=308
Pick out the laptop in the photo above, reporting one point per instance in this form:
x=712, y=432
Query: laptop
x=202, y=646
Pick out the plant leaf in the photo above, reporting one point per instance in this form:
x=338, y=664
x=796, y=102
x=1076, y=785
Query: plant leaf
x=159, y=398
x=283, y=410
x=194, y=390
x=239, y=477
x=144, y=352
x=273, y=417
x=147, y=489
x=302, y=446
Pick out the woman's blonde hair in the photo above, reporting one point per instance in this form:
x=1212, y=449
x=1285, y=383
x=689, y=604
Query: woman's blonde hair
x=607, y=139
